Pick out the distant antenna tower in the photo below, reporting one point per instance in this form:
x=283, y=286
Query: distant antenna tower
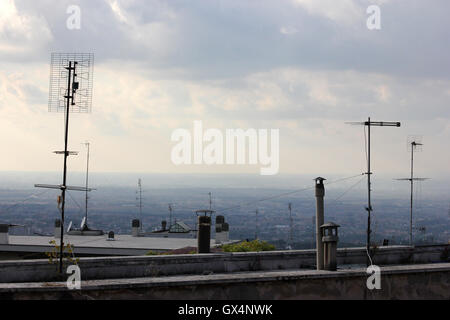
x=70, y=91
x=87, y=144
x=256, y=224
x=290, y=227
x=170, y=215
x=369, y=209
x=414, y=144
x=210, y=200
x=139, y=198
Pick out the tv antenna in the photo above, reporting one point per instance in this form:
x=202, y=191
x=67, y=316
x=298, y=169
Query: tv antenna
x=369, y=208
x=170, y=215
x=87, y=144
x=210, y=201
x=290, y=226
x=256, y=224
x=139, y=199
x=414, y=144
x=70, y=91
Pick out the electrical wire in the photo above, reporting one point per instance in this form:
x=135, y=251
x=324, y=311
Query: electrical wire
x=23, y=201
x=76, y=202
x=350, y=188
x=285, y=194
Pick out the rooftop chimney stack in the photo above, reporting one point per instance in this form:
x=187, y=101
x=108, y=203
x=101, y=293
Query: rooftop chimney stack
x=4, y=237
x=320, y=193
x=225, y=232
x=204, y=234
x=58, y=227
x=220, y=232
x=135, y=227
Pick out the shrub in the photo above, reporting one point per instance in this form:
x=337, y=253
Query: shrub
x=248, y=246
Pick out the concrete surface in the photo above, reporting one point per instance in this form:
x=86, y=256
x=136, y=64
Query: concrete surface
x=429, y=281
x=122, y=245
x=168, y=265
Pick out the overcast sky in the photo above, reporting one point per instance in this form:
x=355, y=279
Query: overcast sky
x=304, y=67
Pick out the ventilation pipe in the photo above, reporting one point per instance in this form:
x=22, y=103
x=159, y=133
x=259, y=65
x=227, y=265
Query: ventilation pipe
x=320, y=193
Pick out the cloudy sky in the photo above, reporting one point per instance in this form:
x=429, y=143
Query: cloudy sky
x=304, y=67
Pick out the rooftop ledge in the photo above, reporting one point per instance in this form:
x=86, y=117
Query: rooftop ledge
x=225, y=278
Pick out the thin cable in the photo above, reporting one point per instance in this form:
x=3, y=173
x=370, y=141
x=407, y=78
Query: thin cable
x=24, y=200
x=286, y=193
x=81, y=209
x=346, y=191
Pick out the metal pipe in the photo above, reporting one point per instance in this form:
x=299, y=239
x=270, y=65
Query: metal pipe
x=320, y=193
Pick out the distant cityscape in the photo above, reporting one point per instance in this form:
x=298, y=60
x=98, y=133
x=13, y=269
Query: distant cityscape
x=112, y=207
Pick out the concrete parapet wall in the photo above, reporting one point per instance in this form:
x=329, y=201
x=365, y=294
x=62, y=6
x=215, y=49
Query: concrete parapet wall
x=167, y=265
x=431, y=281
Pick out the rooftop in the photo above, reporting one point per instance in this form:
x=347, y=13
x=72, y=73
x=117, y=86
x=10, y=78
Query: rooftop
x=122, y=245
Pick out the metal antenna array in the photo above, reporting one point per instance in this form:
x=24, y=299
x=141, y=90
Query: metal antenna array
x=70, y=91
x=414, y=144
x=369, y=208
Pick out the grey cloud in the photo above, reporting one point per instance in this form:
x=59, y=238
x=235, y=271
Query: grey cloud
x=220, y=39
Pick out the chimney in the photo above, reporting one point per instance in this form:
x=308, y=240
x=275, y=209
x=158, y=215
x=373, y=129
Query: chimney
x=320, y=193
x=57, y=229
x=225, y=232
x=110, y=236
x=135, y=227
x=204, y=234
x=4, y=237
x=220, y=220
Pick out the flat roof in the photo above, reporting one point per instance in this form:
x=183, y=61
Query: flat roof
x=122, y=245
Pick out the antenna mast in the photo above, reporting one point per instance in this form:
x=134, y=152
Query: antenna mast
x=369, y=208
x=87, y=180
x=415, y=145
x=170, y=215
x=75, y=70
x=140, y=199
x=210, y=201
x=256, y=224
x=290, y=226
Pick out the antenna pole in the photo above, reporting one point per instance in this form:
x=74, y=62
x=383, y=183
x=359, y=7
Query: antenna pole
x=140, y=200
x=170, y=216
x=369, y=202
x=69, y=98
x=87, y=180
x=256, y=225
x=411, y=208
x=210, y=201
x=290, y=225
x=369, y=209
